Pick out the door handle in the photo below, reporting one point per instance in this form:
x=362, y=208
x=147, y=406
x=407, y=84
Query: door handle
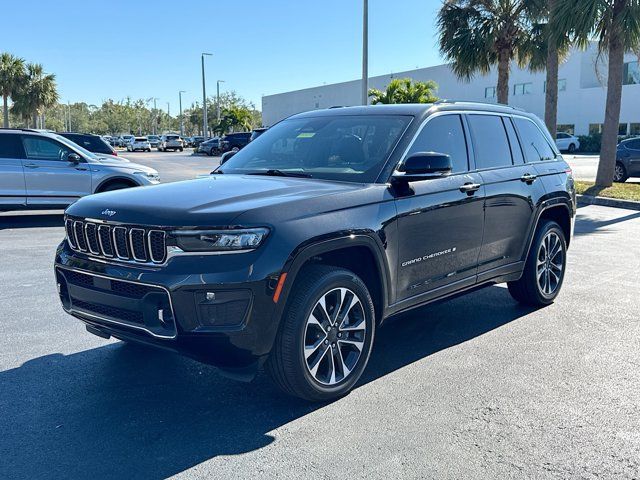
x=528, y=178
x=31, y=165
x=470, y=188
x=81, y=168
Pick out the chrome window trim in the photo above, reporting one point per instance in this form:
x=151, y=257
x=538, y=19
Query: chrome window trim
x=109, y=320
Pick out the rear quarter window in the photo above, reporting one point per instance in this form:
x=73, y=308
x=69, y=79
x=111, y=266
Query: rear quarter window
x=11, y=146
x=535, y=145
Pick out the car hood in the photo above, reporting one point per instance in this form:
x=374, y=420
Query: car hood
x=219, y=199
x=129, y=165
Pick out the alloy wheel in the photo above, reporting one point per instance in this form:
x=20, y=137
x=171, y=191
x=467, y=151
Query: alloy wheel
x=334, y=336
x=618, y=173
x=550, y=264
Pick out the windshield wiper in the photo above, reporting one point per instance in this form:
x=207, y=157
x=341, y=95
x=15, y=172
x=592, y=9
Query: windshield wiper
x=281, y=173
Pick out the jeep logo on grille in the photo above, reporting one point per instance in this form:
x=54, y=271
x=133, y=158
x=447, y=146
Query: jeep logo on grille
x=108, y=213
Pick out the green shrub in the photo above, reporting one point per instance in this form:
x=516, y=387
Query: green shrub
x=590, y=143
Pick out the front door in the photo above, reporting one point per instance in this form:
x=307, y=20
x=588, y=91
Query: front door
x=50, y=177
x=12, y=187
x=440, y=222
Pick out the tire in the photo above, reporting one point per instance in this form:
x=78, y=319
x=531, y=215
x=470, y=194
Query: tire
x=530, y=290
x=210, y=153
x=572, y=148
x=114, y=186
x=315, y=377
x=181, y=149
x=620, y=174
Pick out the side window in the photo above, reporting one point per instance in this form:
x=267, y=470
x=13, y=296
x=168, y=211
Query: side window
x=490, y=141
x=38, y=148
x=514, y=143
x=535, y=146
x=634, y=145
x=444, y=134
x=10, y=146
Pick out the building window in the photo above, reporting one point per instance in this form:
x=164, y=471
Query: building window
x=562, y=85
x=595, y=128
x=490, y=92
x=631, y=75
x=622, y=129
x=522, y=88
x=634, y=129
x=569, y=128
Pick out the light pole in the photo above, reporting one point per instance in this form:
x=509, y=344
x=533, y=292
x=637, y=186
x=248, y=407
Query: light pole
x=155, y=115
x=180, y=105
x=69, y=115
x=365, y=52
x=205, y=129
x=218, y=100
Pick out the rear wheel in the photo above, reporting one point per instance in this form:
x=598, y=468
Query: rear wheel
x=325, y=338
x=572, y=148
x=544, y=269
x=620, y=173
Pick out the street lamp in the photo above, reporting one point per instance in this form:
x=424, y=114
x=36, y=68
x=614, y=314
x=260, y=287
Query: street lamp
x=155, y=115
x=365, y=52
x=180, y=103
x=218, y=100
x=204, y=98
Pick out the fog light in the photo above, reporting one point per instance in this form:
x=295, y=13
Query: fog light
x=210, y=296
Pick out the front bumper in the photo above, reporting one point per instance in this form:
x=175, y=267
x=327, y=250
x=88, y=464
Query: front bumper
x=224, y=318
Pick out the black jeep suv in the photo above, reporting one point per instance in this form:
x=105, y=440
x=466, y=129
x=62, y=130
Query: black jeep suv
x=293, y=252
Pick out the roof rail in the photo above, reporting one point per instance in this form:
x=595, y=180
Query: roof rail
x=475, y=102
x=19, y=128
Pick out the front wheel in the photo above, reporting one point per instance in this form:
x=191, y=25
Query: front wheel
x=325, y=338
x=620, y=173
x=544, y=269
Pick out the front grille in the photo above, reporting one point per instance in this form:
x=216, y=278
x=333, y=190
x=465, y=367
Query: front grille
x=135, y=244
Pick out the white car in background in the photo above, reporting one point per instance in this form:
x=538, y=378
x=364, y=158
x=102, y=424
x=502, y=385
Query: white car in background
x=139, y=143
x=170, y=142
x=567, y=142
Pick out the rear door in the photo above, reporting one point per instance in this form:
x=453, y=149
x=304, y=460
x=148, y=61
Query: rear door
x=511, y=190
x=12, y=186
x=631, y=152
x=50, y=178
x=440, y=220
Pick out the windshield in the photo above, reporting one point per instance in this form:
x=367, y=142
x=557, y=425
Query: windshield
x=345, y=148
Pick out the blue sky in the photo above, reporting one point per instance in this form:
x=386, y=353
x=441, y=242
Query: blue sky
x=143, y=49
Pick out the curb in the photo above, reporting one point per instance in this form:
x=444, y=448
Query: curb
x=608, y=202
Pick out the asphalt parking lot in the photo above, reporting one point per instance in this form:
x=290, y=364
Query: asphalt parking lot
x=476, y=387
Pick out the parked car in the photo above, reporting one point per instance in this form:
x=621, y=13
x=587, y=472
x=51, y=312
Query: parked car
x=44, y=170
x=154, y=140
x=125, y=140
x=93, y=143
x=196, y=141
x=187, y=142
x=170, y=142
x=256, y=133
x=237, y=140
x=334, y=221
x=210, y=147
x=627, y=160
x=567, y=142
x=139, y=143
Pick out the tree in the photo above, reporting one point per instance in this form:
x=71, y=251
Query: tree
x=404, y=90
x=11, y=76
x=37, y=92
x=475, y=35
x=615, y=24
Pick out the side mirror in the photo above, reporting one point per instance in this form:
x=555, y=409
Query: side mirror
x=423, y=166
x=74, y=158
x=227, y=156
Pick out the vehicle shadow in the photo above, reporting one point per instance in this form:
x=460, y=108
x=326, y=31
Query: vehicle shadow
x=586, y=225
x=31, y=220
x=122, y=411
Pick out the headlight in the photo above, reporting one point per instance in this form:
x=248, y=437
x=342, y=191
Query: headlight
x=219, y=240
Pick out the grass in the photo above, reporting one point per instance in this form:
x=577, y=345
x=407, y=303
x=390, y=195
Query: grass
x=621, y=191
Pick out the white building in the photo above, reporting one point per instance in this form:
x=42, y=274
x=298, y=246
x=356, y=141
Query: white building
x=581, y=98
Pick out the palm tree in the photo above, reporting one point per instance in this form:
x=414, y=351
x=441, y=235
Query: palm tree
x=37, y=93
x=543, y=50
x=11, y=77
x=404, y=90
x=475, y=35
x=615, y=24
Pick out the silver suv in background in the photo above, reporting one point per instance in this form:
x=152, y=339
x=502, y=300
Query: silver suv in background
x=170, y=142
x=45, y=170
x=139, y=143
